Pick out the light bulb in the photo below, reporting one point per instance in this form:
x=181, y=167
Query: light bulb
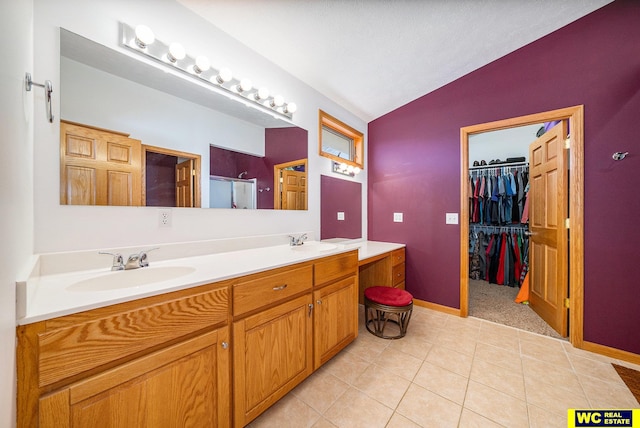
x=350, y=169
x=202, y=64
x=144, y=36
x=277, y=101
x=356, y=170
x=176, y=52
x=290, y=108
x=343, y=166
x=245, y=85
x=262, y=94
x=224, y=75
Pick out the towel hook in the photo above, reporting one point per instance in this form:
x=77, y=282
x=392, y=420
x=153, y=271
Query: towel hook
x=48, y=89
x=619, y=155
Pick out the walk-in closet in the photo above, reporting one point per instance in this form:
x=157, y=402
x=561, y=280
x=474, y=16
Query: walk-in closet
x=497, y=186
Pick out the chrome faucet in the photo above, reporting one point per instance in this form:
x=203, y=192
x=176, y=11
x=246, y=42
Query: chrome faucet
x=138, y=260
x=118, y=261
x=296, y=241
x=134, y=261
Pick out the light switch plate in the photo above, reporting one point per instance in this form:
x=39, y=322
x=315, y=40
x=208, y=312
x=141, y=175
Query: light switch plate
x=451, y=218
x=397, y=217
x=340, y=215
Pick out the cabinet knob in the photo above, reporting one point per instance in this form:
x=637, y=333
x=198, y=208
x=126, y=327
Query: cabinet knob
x=225, y=345
x=319, y=302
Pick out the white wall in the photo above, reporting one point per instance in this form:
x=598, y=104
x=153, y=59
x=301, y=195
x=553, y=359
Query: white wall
x=16, y=181
x=62, y=228
x=502, y=144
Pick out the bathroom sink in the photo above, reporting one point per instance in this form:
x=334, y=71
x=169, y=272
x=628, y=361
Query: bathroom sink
x=314, y=246
x=130, y=278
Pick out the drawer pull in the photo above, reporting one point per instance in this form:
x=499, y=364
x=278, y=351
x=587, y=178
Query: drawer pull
x=225, y=345
x=280, y=287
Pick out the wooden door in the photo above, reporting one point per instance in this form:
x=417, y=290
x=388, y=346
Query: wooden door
x=272, y=354
x=335, y=319
x=184, y=183
x=294, y=190
x=548, y=243
x=99, y=167
x=185, y=385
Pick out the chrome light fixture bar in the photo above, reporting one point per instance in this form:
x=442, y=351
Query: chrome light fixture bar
x=142, y=41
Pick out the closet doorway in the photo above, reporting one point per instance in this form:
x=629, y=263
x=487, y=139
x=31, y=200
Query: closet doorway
x=572, y=259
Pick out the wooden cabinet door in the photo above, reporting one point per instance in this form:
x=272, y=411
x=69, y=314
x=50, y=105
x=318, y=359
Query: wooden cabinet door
x=272, y=354
x=184, y=385
x=98, y=167
x=335, y=318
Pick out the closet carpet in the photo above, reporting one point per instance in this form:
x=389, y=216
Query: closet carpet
x=493, y=302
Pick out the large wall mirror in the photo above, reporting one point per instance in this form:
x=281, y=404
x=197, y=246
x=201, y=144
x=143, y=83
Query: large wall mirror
x=132, y=134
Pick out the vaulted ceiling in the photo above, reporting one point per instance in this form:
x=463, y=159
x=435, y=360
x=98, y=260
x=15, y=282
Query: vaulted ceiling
x=373, y=56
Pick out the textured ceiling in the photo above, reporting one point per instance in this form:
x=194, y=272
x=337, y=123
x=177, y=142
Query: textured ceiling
x=373, y=56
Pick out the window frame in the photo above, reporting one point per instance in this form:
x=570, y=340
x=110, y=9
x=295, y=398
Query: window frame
x=337, y=126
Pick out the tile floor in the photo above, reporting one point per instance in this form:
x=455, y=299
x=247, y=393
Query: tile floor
x=452, y=372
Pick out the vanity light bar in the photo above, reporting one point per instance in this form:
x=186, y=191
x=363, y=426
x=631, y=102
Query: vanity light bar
x=142, y=41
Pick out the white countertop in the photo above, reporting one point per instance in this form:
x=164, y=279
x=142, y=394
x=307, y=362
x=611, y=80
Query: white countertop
x=43, y=297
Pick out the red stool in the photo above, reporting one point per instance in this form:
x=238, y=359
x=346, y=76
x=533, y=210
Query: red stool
x=380, y=306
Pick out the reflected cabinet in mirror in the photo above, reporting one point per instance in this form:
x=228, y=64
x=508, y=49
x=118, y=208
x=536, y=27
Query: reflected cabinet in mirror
x=131, y=134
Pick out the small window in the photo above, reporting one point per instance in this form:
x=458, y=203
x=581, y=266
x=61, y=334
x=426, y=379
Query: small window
x=340, y=142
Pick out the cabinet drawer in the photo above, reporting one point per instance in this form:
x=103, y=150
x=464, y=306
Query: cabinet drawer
x=89, y=343
x=398, y=256
x=268, y=289
x=335, y=267
x=398, y=273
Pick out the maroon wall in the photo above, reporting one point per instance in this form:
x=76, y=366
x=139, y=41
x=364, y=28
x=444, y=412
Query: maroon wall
x=160, y=172
x=344, y=196
x=414, y=161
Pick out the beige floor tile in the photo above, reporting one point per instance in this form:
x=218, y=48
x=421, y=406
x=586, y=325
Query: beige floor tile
x=412, y=346
x=552, y=398
x=289, y=412
x=551, y=374
x=607, y=395
x=459, y=340
x=571, y=351
x=399, y=421
x=551, y=352
x=320, y=390
x=549, y=342
x=347, y=366
x=443, y=382
x=367, y=346
x=428, y=409
x=471, y=419
x=399, y=363
x=451, y=360
x=496, y=406
x=378, y=383
x=355, y=409
x=540, y=418
x=323, y=423
x=499, y=356
x=488, y=327
x=508, y=343
x=499, y=378
x=423, y=331
x=594, y=368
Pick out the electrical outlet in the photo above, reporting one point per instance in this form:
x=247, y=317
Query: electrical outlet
x=340, y=215
x=397, y=217
x=164, y=218
x=451, y=218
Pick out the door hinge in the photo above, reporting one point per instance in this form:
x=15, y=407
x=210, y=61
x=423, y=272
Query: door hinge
x=567, y=143
x=193, y=172
x=567, y=223
x=566, y=302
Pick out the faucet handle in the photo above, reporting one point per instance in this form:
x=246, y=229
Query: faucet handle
x=118, y=261
x=142, y=256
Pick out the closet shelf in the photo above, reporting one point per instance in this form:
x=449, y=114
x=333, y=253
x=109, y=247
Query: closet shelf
x=498, y=165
